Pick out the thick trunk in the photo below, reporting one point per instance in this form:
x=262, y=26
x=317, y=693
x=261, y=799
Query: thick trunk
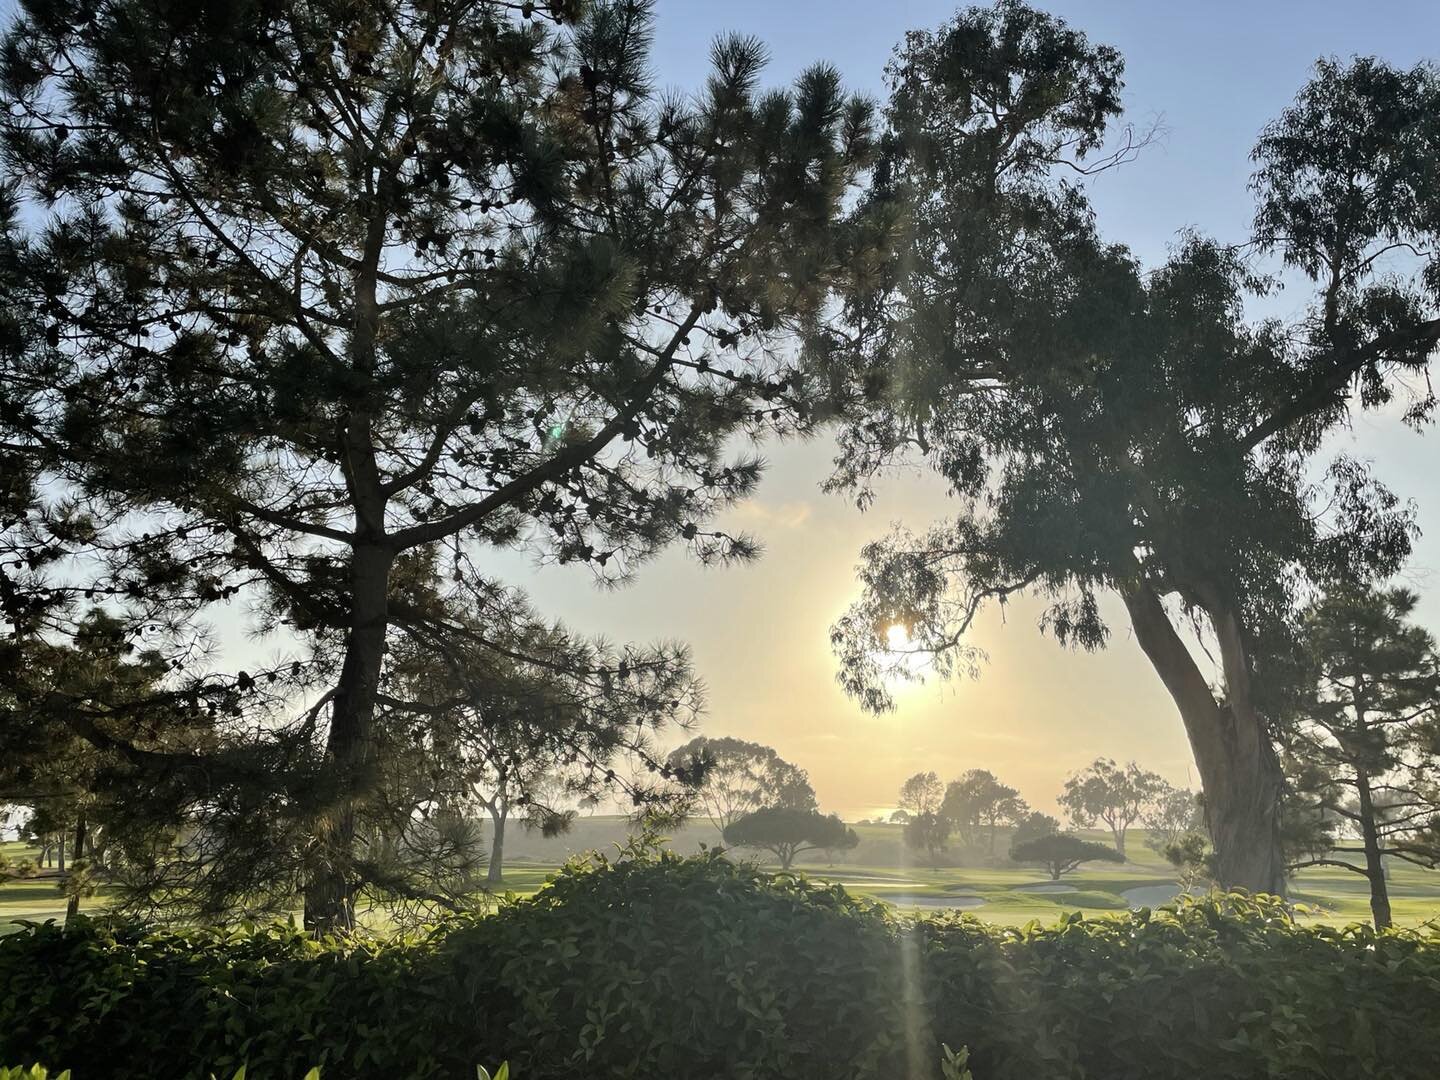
x=495, y=872
x=1374, y=855
x=1239, y=771
x=1118, y=835
x=331, y=886
x=72, y=906
x=60, y=852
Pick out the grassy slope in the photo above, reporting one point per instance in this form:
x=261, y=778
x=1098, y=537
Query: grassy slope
x=883, y=868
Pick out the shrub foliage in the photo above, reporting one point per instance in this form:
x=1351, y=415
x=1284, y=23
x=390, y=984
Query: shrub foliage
x=653, y=965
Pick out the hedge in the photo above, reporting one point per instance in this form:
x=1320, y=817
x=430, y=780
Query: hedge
x=665, y=967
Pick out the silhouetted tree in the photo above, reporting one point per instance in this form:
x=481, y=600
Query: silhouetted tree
x=1107, y=429
x=1032, y=826
x=108, y=796
x=921, y=794
x=788, y=832
x=927, y=831
x=737, y=777
x=1061, y=853
x=1364, y=750
x=325, y=286
x=978, y=799
x=1117, y=795
x=490, y=706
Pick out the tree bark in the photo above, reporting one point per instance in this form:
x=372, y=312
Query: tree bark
x=1374, y=854
x=1118, y=835
x=1239, y=770
x=331, y=886
x=72, y=905
x=494, y=873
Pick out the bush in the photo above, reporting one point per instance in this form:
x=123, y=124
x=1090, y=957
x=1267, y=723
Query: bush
x=657, y=966
x=114, y=1001
x=669, y=967
x=1222, y=986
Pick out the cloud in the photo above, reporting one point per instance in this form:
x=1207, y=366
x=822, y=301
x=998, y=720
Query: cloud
x=784, y=515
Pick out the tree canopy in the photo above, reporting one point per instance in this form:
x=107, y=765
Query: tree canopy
x=921, y=794
x=1108, y=428
x=788, y=832
x=1117, y=795
x=978, y=800
x=732, y=777
x=1060, y=853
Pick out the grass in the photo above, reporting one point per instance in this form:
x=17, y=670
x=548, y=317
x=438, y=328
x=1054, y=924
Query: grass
x=882, y=868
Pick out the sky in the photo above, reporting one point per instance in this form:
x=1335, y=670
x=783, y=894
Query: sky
x=1212, y=74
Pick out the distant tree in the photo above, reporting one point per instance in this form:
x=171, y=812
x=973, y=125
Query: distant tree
x=927, y=831
x=737, y=777
x=1033, y=826
x=899, y=817
x=510, y=713
x=89, y=742
x=1365, y=752
x=1103, y=426
x=1061, y=853
x=1170, y=813
x=921, y=794
x=978, y=800
x=1110, y=793
x=788, y=833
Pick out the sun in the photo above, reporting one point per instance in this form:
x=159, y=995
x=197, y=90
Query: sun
x=897, y=637
x=904, y=658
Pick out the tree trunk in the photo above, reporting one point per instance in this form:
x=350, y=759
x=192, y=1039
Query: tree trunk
x=1118, y=835
x=494, y=873
x=72, y=905
x=1239, y=771
x=1374, y=855
x=60, y=852
x=331, y=886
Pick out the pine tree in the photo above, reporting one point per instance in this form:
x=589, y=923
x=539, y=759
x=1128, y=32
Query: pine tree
x=1362, y=753
x=325, y=284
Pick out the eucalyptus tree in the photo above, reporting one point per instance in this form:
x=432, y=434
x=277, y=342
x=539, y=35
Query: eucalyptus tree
x=1104, y=429
x=978, y=799
x=921, y=794
x=325, y=283
x=734, y=777
x=1118, y=795
x=1364, y=749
